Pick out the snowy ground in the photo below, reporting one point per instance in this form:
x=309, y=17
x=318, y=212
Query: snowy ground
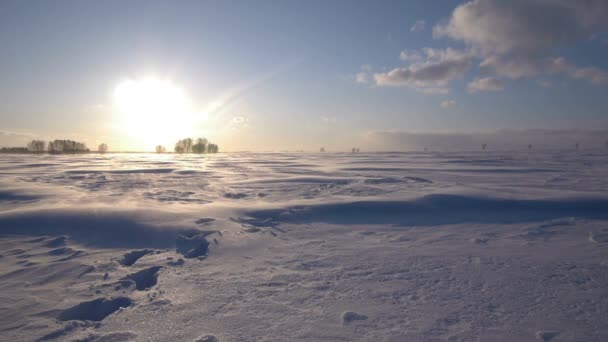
x=305, y=247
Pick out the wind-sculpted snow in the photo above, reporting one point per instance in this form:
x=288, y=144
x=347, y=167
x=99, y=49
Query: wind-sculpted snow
x=433, y=210
x=95, y=227
x=438, y=246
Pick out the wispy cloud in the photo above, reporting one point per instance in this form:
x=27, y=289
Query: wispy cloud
x=362, y=77
x=228, y=98
x=411, y=56
x=239, y=122
x=448, y=104
x=485, y=84
x=418, y=26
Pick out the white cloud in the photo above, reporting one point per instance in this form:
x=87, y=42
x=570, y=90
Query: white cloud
x=238, y=122
x=362, y=77
x=517, y=39
x=431, y=75
x=410, y=56
x=485, y=84
x=418, y=26
x=594, y=75
x=448, y=104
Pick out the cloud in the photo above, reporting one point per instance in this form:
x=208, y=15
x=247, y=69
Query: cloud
x=516, y=68
x=431, y=75
x=362, y=77
x=238, y=122
x=544, y=83
x=447, y=104
x=517, y=39
x=485, y=84
x=410, y=56
x=496, y=139
x=594, y=75
x=328, y=120
x=418, y=26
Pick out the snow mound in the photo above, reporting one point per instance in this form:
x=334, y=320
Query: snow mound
x=97, y=227
x=145, y=278
x=435, y=209
x=193, y=245
x=94, y=310
x=130, y=258
x=206, y=338
x=351, y=316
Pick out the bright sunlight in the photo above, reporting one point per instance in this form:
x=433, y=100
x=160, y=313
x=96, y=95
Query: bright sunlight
x=153, y=111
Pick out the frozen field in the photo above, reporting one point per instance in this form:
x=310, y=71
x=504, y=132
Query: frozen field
x=490, y=246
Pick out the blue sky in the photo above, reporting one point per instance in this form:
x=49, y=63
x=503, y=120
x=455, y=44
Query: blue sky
x=272, y=75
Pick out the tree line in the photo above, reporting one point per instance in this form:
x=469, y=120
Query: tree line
x=56, y=146
x=189, y=145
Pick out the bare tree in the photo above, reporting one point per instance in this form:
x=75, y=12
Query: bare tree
x=188, y=145
x=36, y=146
x=160, y=149
x=484, y=146
x=103, y=148
x=179, y=147
x=202, y=145
x=67, y=146
x=212, y=148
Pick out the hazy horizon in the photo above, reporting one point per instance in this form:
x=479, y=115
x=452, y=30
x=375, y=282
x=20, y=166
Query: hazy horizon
x=288, y=75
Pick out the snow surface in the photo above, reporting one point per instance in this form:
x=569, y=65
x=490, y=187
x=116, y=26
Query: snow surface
x=481, y=246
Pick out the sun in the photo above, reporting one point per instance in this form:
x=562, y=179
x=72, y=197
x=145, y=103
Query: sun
x=153, y=111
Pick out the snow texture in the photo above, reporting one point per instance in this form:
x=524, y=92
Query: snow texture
x=479, y=246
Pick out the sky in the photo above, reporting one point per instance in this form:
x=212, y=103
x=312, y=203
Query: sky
x=298, y=75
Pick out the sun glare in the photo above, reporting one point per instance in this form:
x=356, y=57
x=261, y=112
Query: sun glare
x=153, y=111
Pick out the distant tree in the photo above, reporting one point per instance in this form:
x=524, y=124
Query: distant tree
x=67, y=146
x=160, y=149
x=200, y=146
x=576, y=146
x=188, y=145
x=212, y=148
x=322, y=149
x=14, y=150
x=36, y=146
x=484, y=146
x=103, y=148
x=529, y=146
